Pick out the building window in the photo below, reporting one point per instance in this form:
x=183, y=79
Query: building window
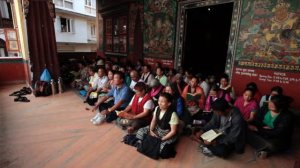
x=3, y=50
x=67, y=25
x=93, y=30
x=64, y=3
x=4, y=9
x=88, y=2
x=5, y=15
x=116, y=35
x=90, y=7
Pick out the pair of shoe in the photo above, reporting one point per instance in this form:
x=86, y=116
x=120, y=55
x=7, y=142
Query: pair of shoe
x=262, y=154
x=23, y=91
x=206, y=151
x=98, y=119
x=26, y=90
x=21, y=99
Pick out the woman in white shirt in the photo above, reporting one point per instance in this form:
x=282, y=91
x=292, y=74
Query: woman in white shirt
x=164, y=122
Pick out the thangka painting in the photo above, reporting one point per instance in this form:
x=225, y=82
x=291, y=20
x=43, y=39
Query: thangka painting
x=159, y=28
x=269, y=32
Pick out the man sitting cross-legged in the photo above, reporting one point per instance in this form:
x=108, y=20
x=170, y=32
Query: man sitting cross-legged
x=121, y=94
x=230, y=124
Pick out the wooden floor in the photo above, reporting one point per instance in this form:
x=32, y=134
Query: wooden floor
x=55, y=131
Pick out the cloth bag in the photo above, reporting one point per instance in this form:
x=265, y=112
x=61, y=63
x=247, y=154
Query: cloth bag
x=150, y=146
x=45, y=76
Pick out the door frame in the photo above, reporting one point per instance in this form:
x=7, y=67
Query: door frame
x=182, y=8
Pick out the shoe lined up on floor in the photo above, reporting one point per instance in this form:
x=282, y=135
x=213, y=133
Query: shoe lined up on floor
x=21, y=99
x=95, y=117
x=20, y=94
x=207, y=152
x=98, y=119
x=23, y=91
x=262, y=154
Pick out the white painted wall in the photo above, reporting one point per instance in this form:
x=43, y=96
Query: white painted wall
x=81, y=26
x=79, y=7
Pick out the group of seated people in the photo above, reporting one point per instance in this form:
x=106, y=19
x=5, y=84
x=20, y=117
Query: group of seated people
x=170, y=104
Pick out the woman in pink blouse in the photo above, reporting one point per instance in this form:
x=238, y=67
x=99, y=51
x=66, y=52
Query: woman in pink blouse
x=247, y=105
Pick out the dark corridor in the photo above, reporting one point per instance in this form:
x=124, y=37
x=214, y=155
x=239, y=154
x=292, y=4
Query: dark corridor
x=206, y=40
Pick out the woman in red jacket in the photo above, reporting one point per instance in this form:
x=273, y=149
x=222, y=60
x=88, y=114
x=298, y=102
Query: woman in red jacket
x=138, y=113
x=194, y=98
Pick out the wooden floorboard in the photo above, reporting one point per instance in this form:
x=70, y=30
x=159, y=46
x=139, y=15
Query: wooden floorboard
x=55, y=132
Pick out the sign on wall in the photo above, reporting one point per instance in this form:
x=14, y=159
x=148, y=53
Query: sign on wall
x=163, y=62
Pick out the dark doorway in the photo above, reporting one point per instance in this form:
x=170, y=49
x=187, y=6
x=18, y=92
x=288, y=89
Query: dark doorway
x=206, y=38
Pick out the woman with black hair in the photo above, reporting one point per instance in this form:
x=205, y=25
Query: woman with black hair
x=256, y=93
x=177, y=103
x=163, y=124
x=226, y=90
x=272, y=129
x=247, y=105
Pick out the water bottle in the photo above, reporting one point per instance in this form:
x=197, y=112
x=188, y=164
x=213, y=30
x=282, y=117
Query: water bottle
x=53, y=90
x=60, y=87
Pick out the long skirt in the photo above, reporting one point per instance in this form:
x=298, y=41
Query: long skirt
x=159, y=132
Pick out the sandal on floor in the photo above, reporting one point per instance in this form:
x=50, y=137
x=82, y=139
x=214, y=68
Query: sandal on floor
x=16, y=93
x=21, y=99
x=26, y=90
x=21, y=93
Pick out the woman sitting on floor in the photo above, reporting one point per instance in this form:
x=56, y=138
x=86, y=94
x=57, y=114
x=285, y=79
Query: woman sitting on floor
x=177, y=103
x=273, y=127
x=194, y=98
x=256, y=93
x=247, y=105
x=212, y=96
x=276, y=90
x=138, y=113
x=164, y=123
x=226, y=90
x=179, y=83
x=156, y=89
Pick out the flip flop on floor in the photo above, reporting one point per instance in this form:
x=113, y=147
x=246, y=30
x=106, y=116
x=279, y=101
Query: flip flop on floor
x=27, y=90
x=16, y=93
x=23, y=91
x=21, y=99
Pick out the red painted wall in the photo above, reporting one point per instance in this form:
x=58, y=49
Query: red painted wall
x=265, y=80
x=12, y=71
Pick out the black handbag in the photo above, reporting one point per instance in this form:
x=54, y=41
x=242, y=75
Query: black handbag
x=130, y=139
x=150, y=146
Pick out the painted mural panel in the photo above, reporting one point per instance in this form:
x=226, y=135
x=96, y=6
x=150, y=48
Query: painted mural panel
x=159, y=28
x=269, y=35
x=268, y=47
